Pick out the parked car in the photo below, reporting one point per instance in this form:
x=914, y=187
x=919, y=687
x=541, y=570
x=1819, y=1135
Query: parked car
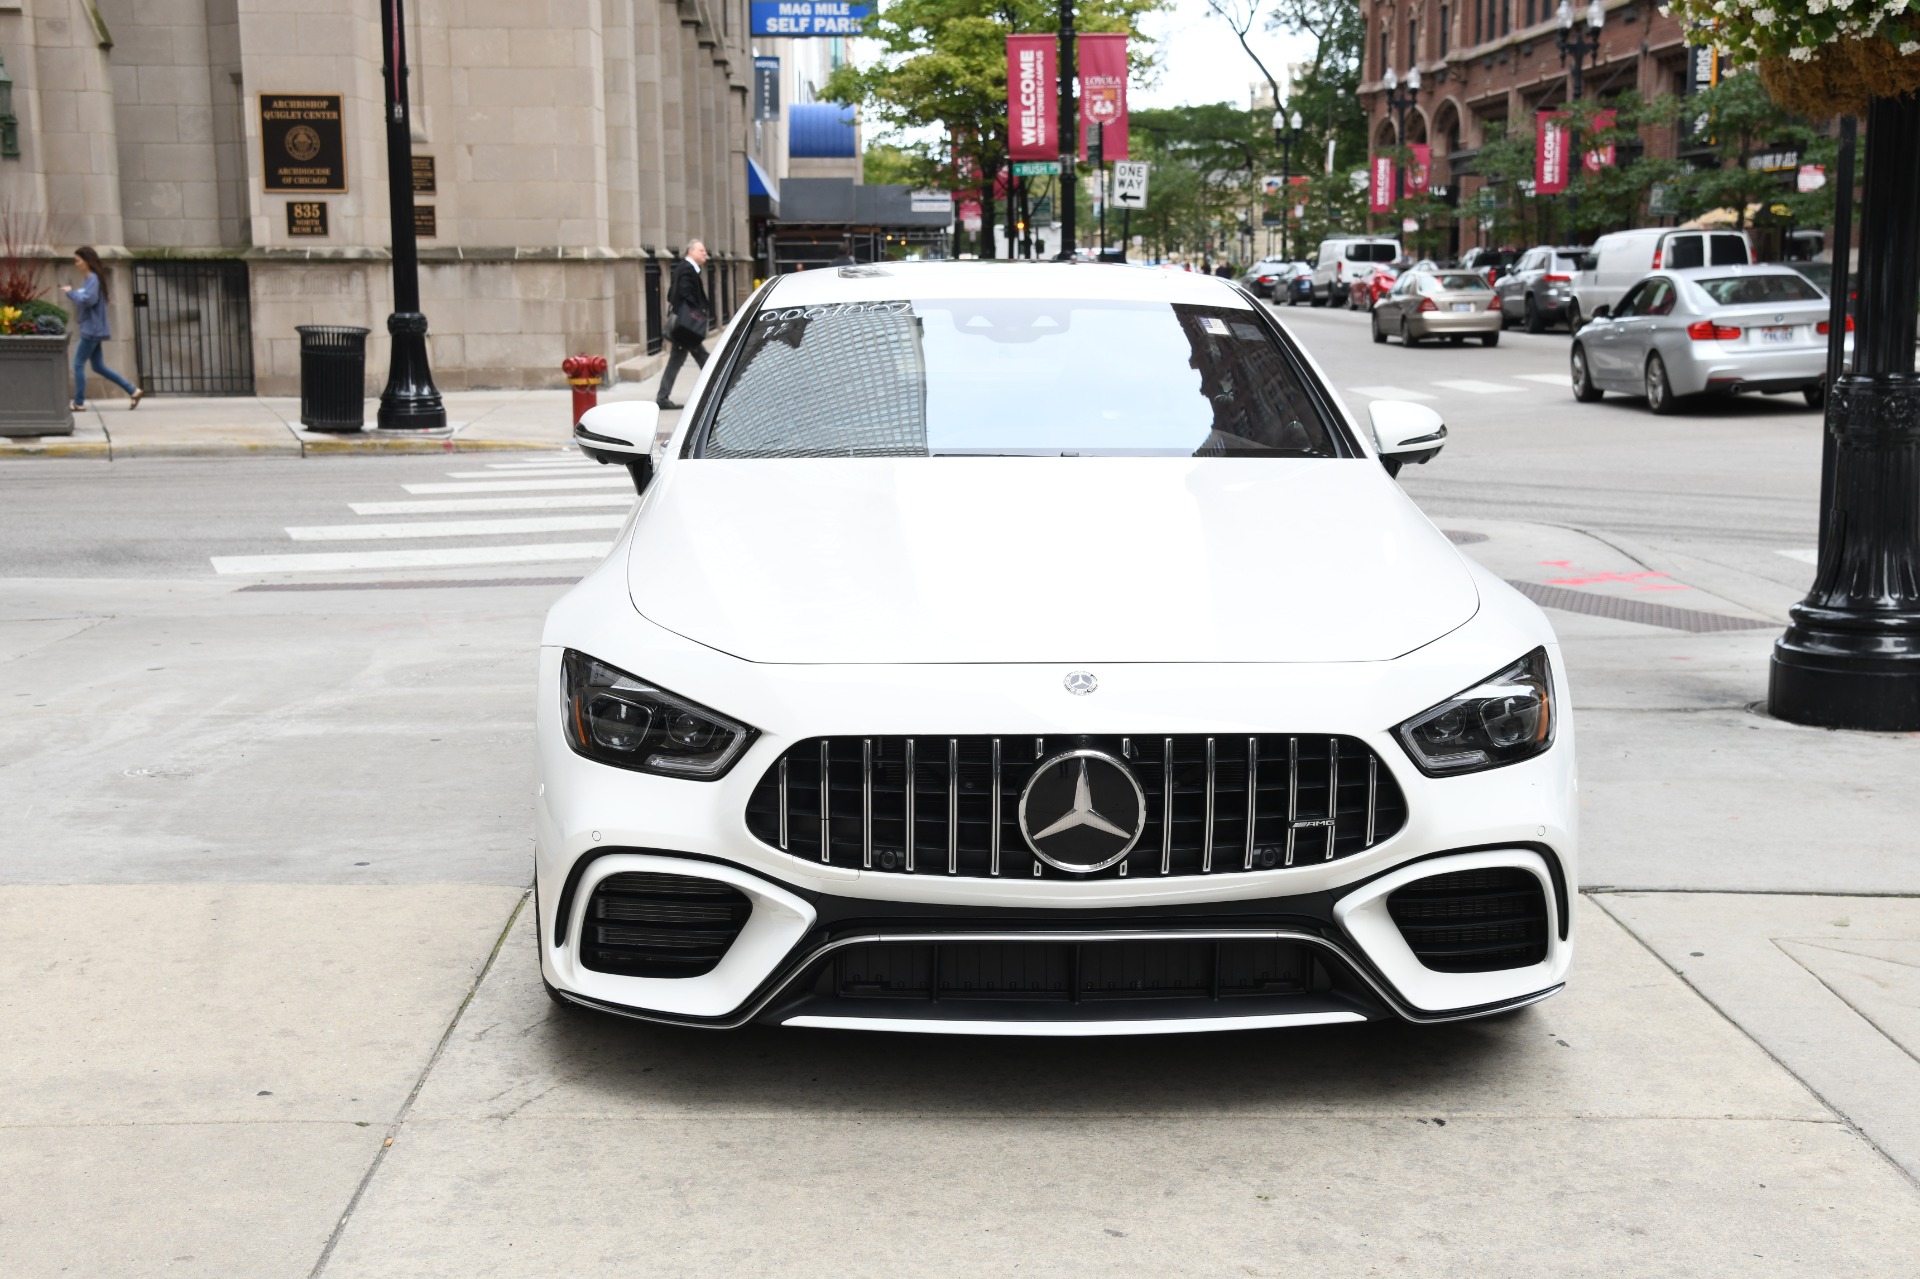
x=1365, y=289
x=1538, y=291
x=1455, y=305
x=796, y=767
x=1617, y=260
x=1298, y=285
x=1264, y=276
x=1720, y=330
x=1340, y=258
x=1488, y=264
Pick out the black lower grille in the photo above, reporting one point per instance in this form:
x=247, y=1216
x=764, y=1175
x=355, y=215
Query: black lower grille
x=1473, y=921
x=1071, y=972
x=846, y=801
x=641, y=924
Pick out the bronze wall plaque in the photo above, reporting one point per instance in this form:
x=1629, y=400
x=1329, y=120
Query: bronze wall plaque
x=302, y=145
x=423, y=177
x=306, y=217
x=424, y=223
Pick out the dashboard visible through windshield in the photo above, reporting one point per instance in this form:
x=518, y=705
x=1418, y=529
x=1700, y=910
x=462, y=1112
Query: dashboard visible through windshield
x=1048, y=377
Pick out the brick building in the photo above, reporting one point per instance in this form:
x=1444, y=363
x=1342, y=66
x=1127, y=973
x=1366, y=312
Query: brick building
x=1488, y=61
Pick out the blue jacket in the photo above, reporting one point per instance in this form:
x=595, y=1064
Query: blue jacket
x=90, y=310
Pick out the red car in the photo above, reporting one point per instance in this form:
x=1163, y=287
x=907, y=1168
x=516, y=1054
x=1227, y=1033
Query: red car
x=1370, y=287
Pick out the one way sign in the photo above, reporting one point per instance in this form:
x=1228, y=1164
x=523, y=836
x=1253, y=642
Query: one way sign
x=1130, y=184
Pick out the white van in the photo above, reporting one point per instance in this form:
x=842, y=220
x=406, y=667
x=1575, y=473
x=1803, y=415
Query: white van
x=1344, y=257
x=1624, y=256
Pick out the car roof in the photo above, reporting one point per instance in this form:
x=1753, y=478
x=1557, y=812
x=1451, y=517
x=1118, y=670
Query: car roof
x=1721, y=272
x=1096, y=281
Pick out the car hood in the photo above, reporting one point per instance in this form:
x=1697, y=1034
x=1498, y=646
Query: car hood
x=958, y=560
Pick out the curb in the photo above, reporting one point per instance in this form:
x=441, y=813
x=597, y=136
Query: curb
x=299, y=446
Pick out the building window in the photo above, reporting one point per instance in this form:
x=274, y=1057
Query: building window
x=1445, y=31
x=1384, y=64
x=1413, y=42
x=1506, y=16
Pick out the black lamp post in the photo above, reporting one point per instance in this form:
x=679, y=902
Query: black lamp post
x=1582, y=47
x=411, y=402
x=1286, y=132
x=1069, y=133
x=1400, y=104
x=1851, y=656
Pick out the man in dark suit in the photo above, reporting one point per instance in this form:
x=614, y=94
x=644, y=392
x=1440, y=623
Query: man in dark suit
x=686, y=297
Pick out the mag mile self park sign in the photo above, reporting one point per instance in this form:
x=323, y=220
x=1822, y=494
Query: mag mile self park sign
x=808, y=17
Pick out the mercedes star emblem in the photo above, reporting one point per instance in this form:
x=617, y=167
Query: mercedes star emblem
x=1082, y=811
x=1080, y=683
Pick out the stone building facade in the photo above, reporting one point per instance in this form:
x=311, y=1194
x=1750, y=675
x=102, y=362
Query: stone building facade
x=574, y=146
x=1497, y=61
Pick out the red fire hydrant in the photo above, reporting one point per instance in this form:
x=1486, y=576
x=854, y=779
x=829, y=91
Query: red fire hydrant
x=584, y=375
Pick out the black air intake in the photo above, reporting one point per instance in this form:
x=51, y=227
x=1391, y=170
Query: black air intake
x=641, y=924
x=1473, y=921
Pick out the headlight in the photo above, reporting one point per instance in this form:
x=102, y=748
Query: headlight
x=1504, y=719
x=612, y=717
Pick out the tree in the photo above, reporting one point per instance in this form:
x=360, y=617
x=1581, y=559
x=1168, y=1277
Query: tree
x=943, y=65
x=1739, y=123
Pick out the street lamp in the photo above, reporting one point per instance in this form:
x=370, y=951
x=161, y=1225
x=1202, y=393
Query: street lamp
x=1399, y=104
x=1582, y=47
x=1286, y=132
x=411, y=402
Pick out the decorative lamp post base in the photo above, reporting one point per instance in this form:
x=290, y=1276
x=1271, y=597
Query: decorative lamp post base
x=411, y=402
x=1851, y=656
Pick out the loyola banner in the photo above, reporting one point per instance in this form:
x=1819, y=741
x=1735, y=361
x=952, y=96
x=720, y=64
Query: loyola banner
x=1380, y=188
x=1033, y=99
x=1103, y=90
x=1551, y=170
x=1422, y=170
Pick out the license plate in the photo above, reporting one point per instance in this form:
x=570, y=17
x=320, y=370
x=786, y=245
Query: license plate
x=1463, y=306
x=1776, y=335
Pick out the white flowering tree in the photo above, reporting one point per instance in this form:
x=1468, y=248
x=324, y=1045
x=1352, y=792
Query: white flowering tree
x=1816, y=56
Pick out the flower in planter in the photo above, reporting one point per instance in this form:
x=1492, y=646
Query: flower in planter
x=14, y=321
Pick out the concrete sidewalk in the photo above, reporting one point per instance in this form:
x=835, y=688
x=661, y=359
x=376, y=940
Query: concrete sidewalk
x=269, y=426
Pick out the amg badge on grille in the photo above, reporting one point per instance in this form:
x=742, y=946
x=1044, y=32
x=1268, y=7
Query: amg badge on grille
x=1082, y=811
x=1080, y=683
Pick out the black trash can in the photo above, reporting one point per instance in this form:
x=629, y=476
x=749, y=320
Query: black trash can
x=333, y=375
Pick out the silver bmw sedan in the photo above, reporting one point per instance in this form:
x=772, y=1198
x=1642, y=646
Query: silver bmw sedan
x=1706, y=330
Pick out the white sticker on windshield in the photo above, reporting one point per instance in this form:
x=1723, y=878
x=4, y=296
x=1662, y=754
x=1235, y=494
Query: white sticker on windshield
x=1214, y=324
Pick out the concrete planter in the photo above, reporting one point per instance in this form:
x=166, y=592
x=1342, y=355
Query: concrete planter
x=34, y=387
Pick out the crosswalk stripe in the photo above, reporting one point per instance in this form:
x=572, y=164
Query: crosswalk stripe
x=580, y=468
x=1474, y=387
x=445, y=557
x=1547, y=379
x=463, y=505
x=1389, y=393
x=519, y=486
x=453, y=528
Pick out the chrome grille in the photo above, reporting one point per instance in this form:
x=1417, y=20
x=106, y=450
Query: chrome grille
x=1214, y=804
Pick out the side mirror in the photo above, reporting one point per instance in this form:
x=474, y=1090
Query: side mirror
x=621, y=432
x=1405, y=433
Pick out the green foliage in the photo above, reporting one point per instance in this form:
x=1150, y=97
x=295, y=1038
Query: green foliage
x=884, y=164
x=1741, y=121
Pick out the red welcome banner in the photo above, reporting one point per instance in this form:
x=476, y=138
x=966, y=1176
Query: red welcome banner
x=1551, y=170
x=1604, y=157
x=1103, y=90
x=1418, y=175
x=1380, y=188
x=1033, y=99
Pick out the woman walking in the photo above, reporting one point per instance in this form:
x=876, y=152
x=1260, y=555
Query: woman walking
x=90, y=310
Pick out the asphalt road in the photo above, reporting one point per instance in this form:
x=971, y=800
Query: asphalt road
x=272, y=1009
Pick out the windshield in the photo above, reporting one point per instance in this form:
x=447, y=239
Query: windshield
x=1739, y=290
x=934, y=377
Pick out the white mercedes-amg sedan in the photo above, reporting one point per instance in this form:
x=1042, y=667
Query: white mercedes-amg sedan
x=1041, y=649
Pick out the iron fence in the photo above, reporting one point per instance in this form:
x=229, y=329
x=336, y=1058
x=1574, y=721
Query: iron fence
x=193, y=327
